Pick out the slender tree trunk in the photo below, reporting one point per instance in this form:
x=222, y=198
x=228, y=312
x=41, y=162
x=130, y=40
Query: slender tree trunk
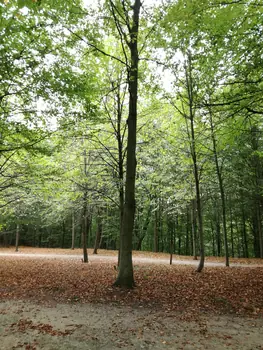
x=40, y=238
x=218, y=235
x=244, y=229
x=187, y=233
x=120, y=165
x=193, y=220
x=221, y=187
x=198, y=203
x=98, y=232
x=156, y=232
x=63, y=234
x=260, y=238
x=232, y=232
x=238, y=240
x=17, y=236
x=125, y=276
x=171, y=250
x=191, y=134
x=213, y=238
x=85, y=228
x=144, y=228
x=73, y=231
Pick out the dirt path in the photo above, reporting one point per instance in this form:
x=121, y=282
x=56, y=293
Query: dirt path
x=34, y=327
x=136, y=259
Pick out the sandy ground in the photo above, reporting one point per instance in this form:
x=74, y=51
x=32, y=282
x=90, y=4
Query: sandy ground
x=160, y=258
x=25, y=325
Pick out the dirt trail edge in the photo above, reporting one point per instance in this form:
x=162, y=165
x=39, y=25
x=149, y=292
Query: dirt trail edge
x=27, y=325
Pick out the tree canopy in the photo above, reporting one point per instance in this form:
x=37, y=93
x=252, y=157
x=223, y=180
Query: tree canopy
x=137, y=125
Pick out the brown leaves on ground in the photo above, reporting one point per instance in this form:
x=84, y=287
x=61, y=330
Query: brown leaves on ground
x=25, y=324
x=172, y=288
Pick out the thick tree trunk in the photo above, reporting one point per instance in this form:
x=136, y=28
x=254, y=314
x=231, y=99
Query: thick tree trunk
x=257, y=165
x=125, y=276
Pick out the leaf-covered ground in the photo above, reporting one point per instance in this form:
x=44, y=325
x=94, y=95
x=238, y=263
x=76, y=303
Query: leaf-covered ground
x=218, y=290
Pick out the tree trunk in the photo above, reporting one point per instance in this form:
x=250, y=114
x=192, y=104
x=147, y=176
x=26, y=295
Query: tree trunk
x=98, y=232
x=190, y=92
x=244, y=229
x=125, y=276
x=17, y=237
x=120, y=164
x=73, y=231
x=260, y=238
x=193, y=220
x=221, y=188
x=232, y=233
x=213, y=238
x=257, y=165
x=63, y=234
x=156, y=232
x=187, y=233
x=144, y=229
x=85, y=228
x=40, y=238
x=218, y=235
x=171, y=251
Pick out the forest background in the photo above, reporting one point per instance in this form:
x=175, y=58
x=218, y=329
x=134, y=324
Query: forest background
x=158, y=101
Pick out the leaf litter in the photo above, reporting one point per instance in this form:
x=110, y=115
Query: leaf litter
x=218, y=290
x=66, y=304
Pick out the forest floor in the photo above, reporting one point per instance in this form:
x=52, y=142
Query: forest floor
x=61, y=303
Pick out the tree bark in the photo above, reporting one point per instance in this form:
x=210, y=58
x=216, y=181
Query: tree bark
x=17, y=237
x=190, y=92
x=144, y=229
x=63, y=234
x=73, y=231
x=244, y=230
x=98, y=232
x=193, y=221
x=125, y=276
x=156, y=232
x=85, y=228
x=257, y=196
x=221, y=187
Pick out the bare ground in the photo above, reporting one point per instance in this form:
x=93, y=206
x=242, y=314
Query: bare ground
x=33, y=327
